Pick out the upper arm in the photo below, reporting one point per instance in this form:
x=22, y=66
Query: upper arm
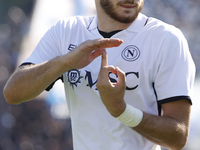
x=178, y=110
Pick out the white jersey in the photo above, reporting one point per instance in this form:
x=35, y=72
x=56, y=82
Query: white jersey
x=158, y=67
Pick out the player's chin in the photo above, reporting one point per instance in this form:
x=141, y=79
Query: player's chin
x=127, y=19
x=128, y=16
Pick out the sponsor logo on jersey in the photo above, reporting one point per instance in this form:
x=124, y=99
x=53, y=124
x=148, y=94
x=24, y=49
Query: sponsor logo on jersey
x=131, y=53
x=74, y=77
x=71, y=47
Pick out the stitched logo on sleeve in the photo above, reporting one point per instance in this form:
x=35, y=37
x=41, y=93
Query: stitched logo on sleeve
x=131, y=53
x=74, y=77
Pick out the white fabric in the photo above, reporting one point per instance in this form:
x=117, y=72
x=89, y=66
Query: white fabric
x=131, y=116
x=156, y=53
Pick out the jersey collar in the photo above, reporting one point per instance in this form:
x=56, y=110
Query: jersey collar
x=134, y=27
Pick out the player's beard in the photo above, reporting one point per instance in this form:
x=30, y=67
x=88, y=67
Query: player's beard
x=108, y=8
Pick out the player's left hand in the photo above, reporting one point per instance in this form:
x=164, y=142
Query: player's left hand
x=112, y=94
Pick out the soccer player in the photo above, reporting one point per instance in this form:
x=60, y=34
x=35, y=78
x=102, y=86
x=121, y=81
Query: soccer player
x=127, y=78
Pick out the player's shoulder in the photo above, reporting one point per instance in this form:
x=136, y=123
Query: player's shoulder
x=75, y=21
x=161, y=27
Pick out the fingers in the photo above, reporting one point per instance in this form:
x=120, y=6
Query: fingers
x=103, y=74
x=121, y=76
x=96, y=53
x=91, y=45
x=104, y=60
x=105, y=69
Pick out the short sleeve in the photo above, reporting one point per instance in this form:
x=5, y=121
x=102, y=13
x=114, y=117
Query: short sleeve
x=176, y=70
x=47, y=48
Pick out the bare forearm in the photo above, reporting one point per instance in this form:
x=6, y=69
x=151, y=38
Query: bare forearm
x=164, y=131
x=28, y=82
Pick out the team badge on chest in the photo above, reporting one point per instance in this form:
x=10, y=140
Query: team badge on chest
x=131, y=53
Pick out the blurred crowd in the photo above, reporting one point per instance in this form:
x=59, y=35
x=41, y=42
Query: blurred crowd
x=30, y=126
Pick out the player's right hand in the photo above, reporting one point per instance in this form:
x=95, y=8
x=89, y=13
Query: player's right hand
x=112, y=94
x=86, y=52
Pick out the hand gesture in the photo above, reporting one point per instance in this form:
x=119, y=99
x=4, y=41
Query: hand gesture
x=112, y=94
x=86, y=52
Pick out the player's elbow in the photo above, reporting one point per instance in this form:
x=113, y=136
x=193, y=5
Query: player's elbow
x=179, y=140
x=179, y=145
x=182, y=142
x=9, y=97
x=183, y=137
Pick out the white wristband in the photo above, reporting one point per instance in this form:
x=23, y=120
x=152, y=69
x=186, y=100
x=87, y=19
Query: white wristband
x=131, y=116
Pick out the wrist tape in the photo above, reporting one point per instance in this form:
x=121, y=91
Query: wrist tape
x=131, y=116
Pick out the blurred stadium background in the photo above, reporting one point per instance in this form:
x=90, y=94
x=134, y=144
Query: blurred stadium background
x=44, y=124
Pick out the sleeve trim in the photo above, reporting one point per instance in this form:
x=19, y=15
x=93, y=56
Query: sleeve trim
x=27, y=63
x=173, y=99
